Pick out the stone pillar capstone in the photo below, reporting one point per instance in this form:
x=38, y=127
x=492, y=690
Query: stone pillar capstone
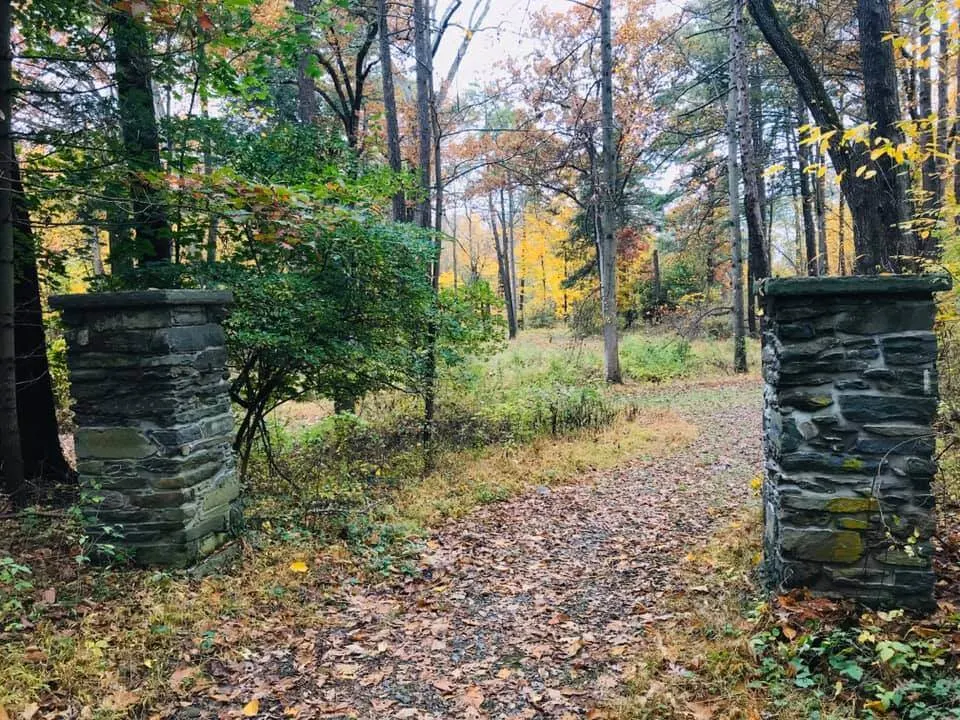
x=850, y=398
x=154, y=422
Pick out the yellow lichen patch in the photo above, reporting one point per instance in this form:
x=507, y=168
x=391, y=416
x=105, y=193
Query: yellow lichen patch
x=853, y=505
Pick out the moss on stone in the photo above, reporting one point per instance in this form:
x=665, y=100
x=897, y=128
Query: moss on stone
x=853, y=464
x=853, y=505
x=829, y=546
x=849, y=523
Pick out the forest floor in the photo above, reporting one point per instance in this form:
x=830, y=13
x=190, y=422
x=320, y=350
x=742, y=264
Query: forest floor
x=612, y=576
x=532, y=608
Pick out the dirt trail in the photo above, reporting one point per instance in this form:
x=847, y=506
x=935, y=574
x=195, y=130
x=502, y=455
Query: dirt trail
x=529, y=608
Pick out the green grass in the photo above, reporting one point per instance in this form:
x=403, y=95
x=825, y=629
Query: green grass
x=546, y=384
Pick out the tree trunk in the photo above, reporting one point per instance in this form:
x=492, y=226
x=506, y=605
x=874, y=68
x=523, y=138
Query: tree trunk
x=11, y=456
x=877, y=205
x=882, y=103
x=608, y=240
x=424, y=63
x=929, y=174
x=758, y=265
x=736, y=240
x=390, y=108
x=141, y=140
x=806, y=196
x=503, y=268
x=943, y=109
x=656, y=283
x=795, y=179
x=424, y=73
x=956, y=141
x=43, y=459
x=92, y=232
x=842, y=239
x=306, y=85
x=456, y=241
x=508, y=226
x=820, y=196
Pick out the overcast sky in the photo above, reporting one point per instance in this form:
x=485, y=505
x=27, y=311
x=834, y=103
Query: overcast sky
x=506, y=33
x=506, y=30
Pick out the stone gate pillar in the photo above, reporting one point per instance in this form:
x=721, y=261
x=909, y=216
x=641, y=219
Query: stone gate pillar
x=850, y=398
x=154, y=423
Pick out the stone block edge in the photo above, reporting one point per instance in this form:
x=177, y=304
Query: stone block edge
x=140, y=299
x=855, y=285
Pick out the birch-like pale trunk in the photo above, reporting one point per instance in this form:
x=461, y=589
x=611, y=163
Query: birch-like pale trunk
x=736, y=238
x=608, y=190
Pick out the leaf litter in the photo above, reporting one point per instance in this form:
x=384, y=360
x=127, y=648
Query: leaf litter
x=531, y=608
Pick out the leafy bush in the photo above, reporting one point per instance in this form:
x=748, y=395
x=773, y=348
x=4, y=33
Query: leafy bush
x=586, y=319
x=542, y=315
x=888, y=669
x=646, y=360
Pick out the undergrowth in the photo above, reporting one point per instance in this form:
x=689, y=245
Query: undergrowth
x=352, y=502
x=323, y=471
x=730, y=652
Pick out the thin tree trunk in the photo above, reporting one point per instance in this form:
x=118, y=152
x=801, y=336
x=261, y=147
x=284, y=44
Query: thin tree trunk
x=213, y=228
x=512, y=254
x=956, y=140
x=878, y=205
x=943, y=109
x=43, y=458
x=141, y=140
x=11, y=455
x=820, y=196
x=608, y=240
x=306, y=85
x=390, y=108
x=656, y=283
x=92, y=231
x=842, y=239
x=736, y=240
x=757, y=259
x=456, y=279
x=930, y=184
x=799, y=265
x=806, y=196
x=424, y=74
x=882, y=103
x=503, y=266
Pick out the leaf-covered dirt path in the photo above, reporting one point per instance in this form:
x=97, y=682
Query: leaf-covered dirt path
x=530, y=608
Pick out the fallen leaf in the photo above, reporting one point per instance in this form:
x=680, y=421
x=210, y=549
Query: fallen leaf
x=180, y=676
x=251, y=708
x=298, y=566
x=29, y=711
x=788, y=632
x=346, y=670
x=443, y=685
x=3, y=713
x=700, y=711
x=472, y=697
x=48, y=596
x=504, y=673
x=34, y=654
x=120, y=700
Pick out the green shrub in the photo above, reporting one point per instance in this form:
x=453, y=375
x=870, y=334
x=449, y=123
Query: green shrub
x=880, y=661
x=542, y=315
x=585, y=317
x=649, y=360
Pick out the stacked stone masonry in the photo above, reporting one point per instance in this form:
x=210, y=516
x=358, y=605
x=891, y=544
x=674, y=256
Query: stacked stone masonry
x=850, y=399
x=154, y=422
